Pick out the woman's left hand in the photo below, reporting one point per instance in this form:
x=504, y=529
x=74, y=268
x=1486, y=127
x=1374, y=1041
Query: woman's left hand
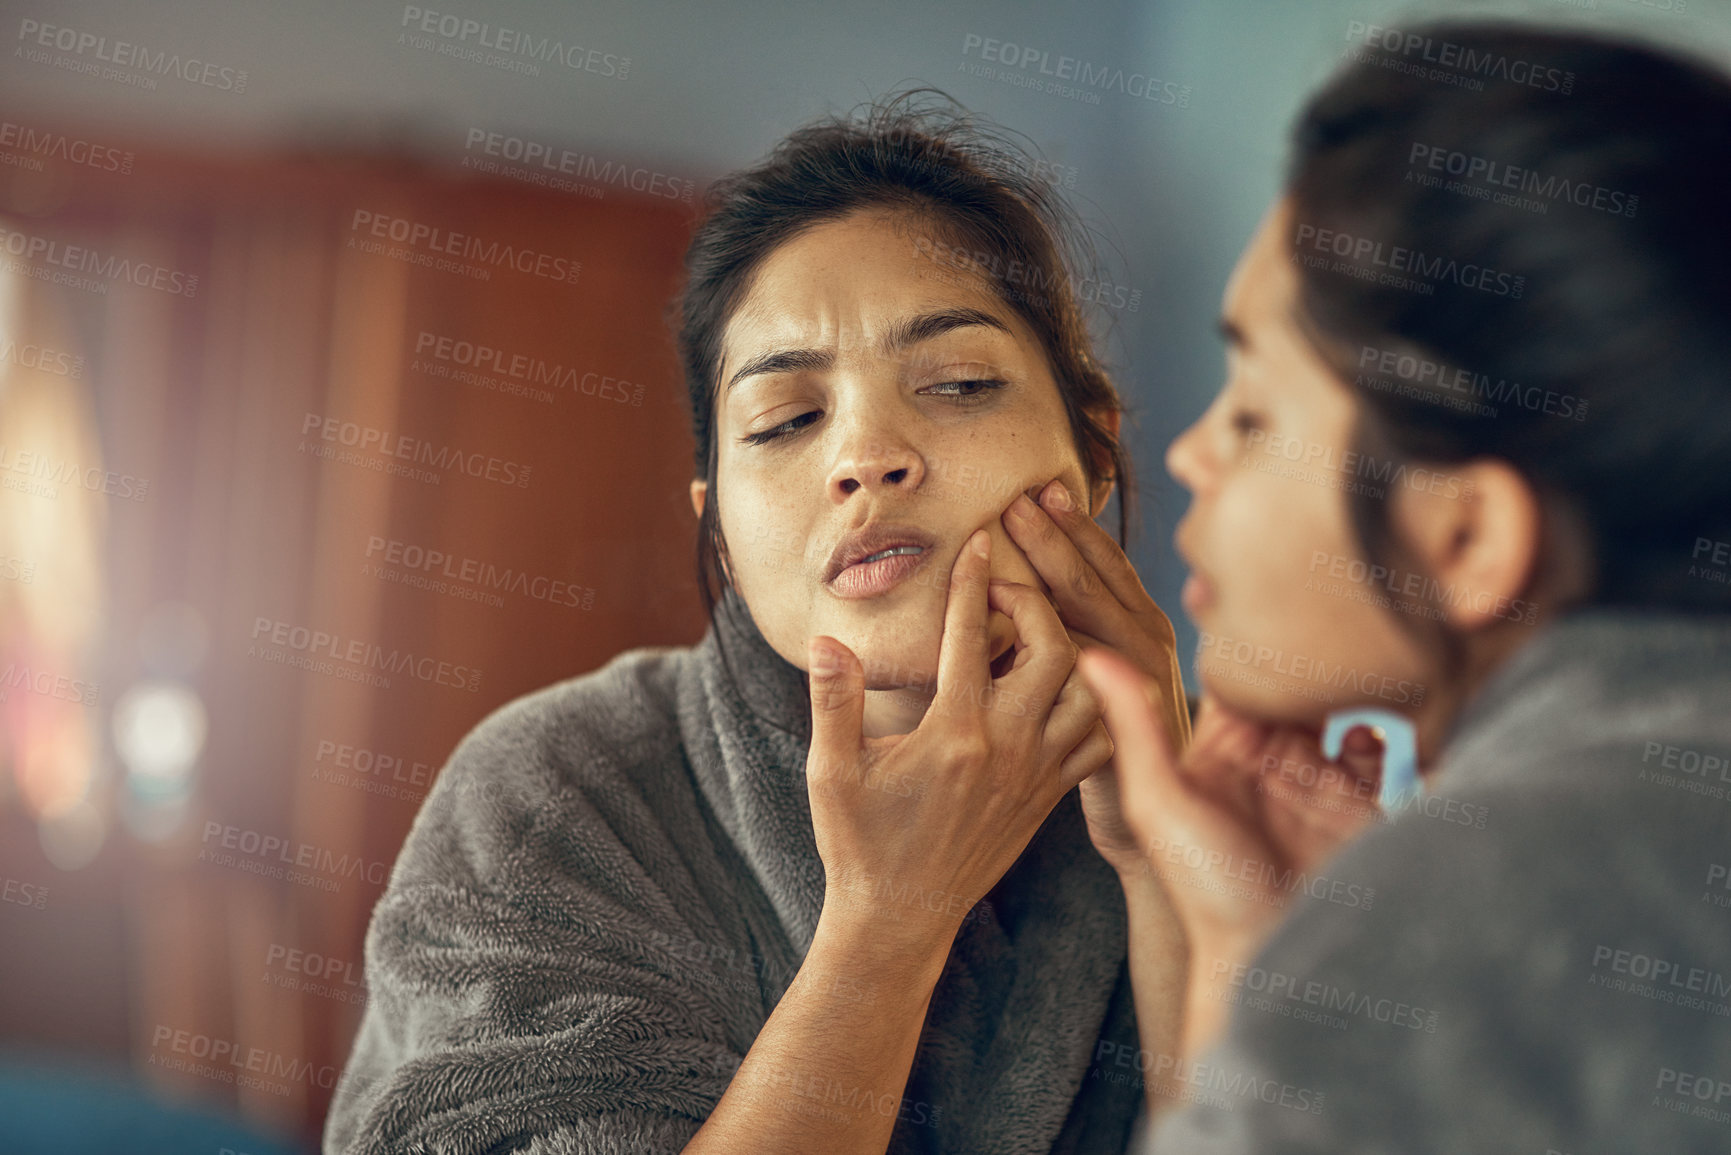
x=1101, y=601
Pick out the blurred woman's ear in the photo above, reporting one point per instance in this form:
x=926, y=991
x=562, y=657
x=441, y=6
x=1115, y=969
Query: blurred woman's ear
x=699, y=489
x=1112, y=419
x=1483, y=542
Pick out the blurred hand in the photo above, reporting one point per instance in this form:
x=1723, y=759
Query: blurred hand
x=1208, y=821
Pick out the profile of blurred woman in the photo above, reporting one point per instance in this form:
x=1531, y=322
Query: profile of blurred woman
x=1468, y=465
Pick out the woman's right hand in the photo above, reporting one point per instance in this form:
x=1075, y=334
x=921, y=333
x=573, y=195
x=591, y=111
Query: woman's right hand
x=914, y=829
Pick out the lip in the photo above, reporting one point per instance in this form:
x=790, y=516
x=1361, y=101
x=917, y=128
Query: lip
x=848, y=575
x=1198, y=592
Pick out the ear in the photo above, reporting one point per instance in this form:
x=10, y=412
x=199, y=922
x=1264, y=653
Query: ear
x=699, y=490
x=1479, y=535
x=1112, y=419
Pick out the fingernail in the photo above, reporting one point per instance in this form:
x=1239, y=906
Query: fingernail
x=824, y=661
x=980, y=543
x=1022, y=509
x=1056, y=496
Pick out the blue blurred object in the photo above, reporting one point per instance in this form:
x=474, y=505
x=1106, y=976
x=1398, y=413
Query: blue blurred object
x=49, y=1107
x=1400, y=780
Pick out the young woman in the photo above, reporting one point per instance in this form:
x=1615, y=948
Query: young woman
x=1469, y=464
x=824, y=882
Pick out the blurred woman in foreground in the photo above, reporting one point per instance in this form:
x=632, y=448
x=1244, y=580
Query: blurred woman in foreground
x=1470, y=463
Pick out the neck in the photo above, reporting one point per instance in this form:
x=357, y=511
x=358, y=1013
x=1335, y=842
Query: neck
x=893, y=711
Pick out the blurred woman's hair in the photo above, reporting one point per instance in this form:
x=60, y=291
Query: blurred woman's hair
x=981, y=205
x=1567, y=198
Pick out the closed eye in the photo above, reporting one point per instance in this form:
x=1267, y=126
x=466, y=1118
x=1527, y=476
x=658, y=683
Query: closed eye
x=1244, y=421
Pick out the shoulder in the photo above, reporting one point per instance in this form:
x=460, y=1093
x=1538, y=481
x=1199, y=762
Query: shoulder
x=1484, y=948
x=552, y=765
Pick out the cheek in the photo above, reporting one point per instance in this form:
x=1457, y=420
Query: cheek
x=1288, y=631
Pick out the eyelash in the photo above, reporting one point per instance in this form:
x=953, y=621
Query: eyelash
x=783, y=430
x=1243, y=421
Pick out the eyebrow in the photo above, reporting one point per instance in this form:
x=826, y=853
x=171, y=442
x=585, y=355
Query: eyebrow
x=904, y=333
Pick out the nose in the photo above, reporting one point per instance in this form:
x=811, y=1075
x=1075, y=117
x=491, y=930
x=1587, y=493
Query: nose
x=1186, y=459
x=875, y=458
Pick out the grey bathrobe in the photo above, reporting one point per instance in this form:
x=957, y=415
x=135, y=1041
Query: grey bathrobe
x=611, y=886
x=1504, y=991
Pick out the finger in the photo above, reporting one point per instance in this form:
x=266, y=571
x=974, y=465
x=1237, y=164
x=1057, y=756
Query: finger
x=837, y=708
x=1079, y=590
x=1075, y=712
x=1154, y=793
x=1361, y=756
x=1089, y=755
x=1097, y=546
x=1049, y=654
x=964, y=666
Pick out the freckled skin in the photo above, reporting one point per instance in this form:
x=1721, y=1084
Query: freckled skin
x=878, y=436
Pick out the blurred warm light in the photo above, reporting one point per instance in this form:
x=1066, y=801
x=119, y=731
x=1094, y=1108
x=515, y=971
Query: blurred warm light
x=159, y=730
x=56, y=755
x=71, y=840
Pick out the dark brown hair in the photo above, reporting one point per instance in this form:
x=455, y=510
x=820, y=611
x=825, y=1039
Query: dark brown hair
x=1564, y=196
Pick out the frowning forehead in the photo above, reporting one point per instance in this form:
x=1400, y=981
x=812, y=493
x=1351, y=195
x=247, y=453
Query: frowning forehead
x=853, y=288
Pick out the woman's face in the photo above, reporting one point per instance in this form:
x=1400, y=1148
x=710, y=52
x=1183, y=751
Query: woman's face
x=1290, y=629
x=864, y=386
